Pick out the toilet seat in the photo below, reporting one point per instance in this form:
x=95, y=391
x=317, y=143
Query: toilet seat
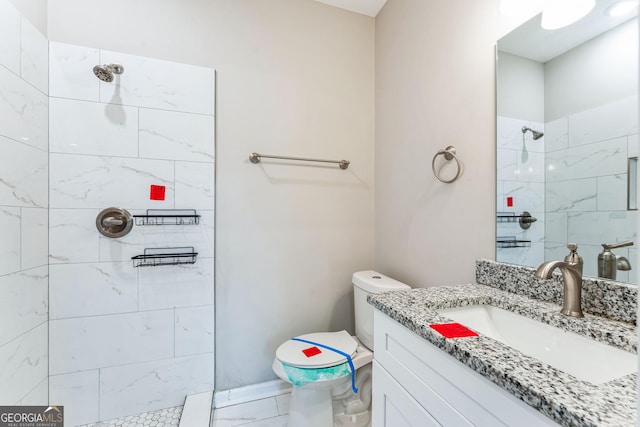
x=303, y=355
x=313, y=388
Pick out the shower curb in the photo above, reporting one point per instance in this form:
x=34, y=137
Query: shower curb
x=197, y=410
x=250, y=393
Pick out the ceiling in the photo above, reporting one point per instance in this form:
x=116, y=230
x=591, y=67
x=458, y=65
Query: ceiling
x=365, y=7
x=531, y=41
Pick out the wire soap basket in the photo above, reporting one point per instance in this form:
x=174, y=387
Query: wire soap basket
x=154, y=257
x=168, y=217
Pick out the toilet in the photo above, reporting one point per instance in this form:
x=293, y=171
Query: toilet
x=321, y=365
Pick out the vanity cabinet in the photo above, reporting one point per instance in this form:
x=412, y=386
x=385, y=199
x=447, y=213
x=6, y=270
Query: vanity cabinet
x=417, y=384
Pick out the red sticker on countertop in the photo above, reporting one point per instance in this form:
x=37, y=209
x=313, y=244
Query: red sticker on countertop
x=157, y=192
x=453, y=330
x=311, y=351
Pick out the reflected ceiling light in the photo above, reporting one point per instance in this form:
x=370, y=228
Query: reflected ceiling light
x=560, y=13
x=622, y=7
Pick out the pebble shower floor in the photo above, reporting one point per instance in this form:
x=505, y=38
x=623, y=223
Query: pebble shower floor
x=169, y=417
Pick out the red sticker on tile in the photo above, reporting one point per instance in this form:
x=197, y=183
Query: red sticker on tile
x=157, y=192
x=510, y=202
x=453, y=330
x=311, y=351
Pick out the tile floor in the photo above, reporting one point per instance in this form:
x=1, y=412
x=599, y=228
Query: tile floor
x=270, y=412
x=169, y=417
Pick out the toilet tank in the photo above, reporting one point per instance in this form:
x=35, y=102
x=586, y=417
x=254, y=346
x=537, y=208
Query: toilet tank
x=365, y=283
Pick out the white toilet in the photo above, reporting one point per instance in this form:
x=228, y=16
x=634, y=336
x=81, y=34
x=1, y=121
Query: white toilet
x=316, y=364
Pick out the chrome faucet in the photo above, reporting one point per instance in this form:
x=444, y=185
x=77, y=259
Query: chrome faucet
x=571, y=269
x=609, y=263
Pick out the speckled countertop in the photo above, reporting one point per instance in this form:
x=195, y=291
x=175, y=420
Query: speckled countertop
x=560, y=396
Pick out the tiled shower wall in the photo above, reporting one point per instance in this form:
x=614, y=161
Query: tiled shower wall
x=23, y=210
x=586, y=183
x=126, y=340
x=520, y=175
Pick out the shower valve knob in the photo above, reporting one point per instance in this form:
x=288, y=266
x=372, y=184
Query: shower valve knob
x=114, y=222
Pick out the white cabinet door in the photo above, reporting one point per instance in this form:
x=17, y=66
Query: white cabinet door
x=393, y=406
x=446, y=390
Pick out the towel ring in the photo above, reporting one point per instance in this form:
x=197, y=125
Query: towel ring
x=449, y=153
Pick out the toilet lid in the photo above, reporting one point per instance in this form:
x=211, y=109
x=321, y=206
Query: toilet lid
x=303, y=355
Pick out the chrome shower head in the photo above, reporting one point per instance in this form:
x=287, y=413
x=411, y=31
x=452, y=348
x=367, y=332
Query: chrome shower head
x=106, y=72
x=536, y=135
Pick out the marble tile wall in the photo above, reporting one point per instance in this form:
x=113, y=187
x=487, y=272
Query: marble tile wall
x=520, y=176
x=586, y=183
x=127, y=340
x=23, y=210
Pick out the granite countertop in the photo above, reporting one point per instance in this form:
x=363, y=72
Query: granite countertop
x=560, y=396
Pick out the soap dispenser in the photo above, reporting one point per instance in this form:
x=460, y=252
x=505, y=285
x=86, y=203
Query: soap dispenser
x=573, y=257
x=608, y=261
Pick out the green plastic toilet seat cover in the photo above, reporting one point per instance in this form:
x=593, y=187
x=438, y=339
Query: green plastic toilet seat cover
x=303, y=376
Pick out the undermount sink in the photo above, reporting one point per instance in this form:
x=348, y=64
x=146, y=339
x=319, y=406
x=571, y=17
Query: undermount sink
x=585, y=359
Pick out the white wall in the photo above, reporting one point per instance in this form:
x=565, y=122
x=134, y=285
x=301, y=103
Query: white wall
x=591, y=107
x=586, y=183
x=520, y=159
x=126, y=340
x=606, y=65
x=520, y=88
x=435, y=87
x=35, y=11
x=295, y=77
x=24, y=203
x=520, y=175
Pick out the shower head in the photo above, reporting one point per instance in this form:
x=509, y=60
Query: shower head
x=106, y=72
x=536, y=135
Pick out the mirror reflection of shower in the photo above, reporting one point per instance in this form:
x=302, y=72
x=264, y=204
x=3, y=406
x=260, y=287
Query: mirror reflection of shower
x=536, y=135
x=106, y=72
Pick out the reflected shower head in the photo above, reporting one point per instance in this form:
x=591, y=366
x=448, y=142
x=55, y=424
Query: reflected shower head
x=536, y=135
x=106, y=72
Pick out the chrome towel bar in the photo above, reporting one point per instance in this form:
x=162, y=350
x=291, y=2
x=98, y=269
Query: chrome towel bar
x=256, y=157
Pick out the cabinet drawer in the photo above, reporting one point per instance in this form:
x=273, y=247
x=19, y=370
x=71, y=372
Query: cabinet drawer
x=451, y=392
x=392, y=406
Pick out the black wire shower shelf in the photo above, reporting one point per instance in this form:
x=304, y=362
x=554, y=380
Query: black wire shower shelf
x=168, y=217
x=154, y=257
x=503, y=242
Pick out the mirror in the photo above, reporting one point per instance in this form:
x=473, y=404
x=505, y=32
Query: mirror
x=567, y=127
x=632, y=184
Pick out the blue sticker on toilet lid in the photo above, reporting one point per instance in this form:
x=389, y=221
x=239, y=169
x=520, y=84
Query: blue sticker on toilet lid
x=292, y=352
